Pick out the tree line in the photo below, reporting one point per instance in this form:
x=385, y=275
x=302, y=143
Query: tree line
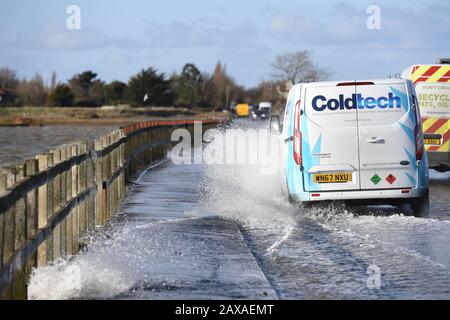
x=190, y=88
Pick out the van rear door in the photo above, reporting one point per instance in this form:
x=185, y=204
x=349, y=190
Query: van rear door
x=386, y=128
x=329, y=138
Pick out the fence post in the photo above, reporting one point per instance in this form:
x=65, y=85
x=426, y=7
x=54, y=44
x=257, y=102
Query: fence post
x=82, y=221
x=123, y=160
x=114, y=170
x=56, y=183
x=31, y=168
x=69, y=195
x=56, y=234
x=105, y=175
x=73, y=220
x=63, y=223
x=20, y=229
x=90, y=202
x=45, y=210
x=8, y=232
x=2, y=216
x=99, y=183
x=119, y=166
x=20, y=219
x=42, y=160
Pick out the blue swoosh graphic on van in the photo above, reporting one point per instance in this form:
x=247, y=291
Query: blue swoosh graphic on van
x=411, y=179
x=409, y=132
x=412, y=158
x=404, y=102
x=403, y=97
x=316, y=150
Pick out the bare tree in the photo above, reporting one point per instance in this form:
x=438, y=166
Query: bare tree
x=223, y=87
x=316, y=74
x=32, y=92
x=297, y=67
x=8, y=79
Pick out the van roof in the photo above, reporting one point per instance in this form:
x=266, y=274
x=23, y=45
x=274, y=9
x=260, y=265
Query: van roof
x=335, y=83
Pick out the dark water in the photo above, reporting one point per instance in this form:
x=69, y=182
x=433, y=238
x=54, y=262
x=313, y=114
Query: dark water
x=18, y=143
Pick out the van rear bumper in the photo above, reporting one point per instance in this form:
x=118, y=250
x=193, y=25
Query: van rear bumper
x=374, y=196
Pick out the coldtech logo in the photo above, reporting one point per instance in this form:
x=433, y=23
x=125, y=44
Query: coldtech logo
x=320, y=103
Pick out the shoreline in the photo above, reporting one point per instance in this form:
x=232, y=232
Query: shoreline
x=42, y=116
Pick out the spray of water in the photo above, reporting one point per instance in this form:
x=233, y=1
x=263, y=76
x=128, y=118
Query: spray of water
x=243, y=191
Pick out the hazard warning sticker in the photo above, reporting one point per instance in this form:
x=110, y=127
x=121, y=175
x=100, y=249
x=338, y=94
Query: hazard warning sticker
x=375, y=179
x=391, y=179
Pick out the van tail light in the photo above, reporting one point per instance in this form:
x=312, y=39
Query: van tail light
x=298, y=147
x=419, y=145
x=418, y=131
x=297, y=136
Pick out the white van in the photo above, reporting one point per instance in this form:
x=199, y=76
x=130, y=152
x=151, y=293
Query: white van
x=265, y=110
x=357, y=140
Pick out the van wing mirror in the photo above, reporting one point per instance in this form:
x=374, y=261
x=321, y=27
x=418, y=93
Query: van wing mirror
x=275, y=124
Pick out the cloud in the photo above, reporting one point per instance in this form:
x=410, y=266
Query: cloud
x=200, y=34
x=52, y=36
x=344, y=24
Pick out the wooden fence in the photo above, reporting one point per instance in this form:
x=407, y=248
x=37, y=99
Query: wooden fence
x=48, y=204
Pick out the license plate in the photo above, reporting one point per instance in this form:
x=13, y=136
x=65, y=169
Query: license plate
x=334, y=177
x=436, y=142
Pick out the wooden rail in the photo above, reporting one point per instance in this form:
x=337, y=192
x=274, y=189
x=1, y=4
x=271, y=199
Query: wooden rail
x=48, y=204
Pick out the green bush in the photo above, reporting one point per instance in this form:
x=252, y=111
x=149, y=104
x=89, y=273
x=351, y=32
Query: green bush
x=61, y=96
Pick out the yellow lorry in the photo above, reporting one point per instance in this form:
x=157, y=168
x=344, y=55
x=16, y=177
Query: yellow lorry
x=432, y=83
x=242, y=110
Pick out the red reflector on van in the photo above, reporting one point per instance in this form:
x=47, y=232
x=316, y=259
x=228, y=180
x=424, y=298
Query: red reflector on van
x=315, y=194
x=297, y=135
x=362, y=83
x=405, y=191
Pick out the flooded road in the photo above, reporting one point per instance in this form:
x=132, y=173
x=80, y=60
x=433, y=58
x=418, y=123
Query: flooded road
x=18, y=143
x=227, y=231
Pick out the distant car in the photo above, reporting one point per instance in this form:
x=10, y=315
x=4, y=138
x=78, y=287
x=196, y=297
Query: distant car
x=264, y=114
x=354, y=141
x=265, y=110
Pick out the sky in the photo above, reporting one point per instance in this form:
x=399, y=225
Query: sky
x=118, y=38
